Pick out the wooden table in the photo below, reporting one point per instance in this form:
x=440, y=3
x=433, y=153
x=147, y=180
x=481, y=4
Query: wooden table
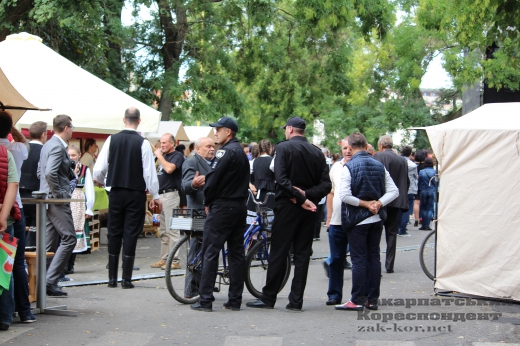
x=41, y=254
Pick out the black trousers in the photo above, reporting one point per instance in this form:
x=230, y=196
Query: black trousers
x=391, y=228
x=292, y=225
x=226, y=222
x=126, y=213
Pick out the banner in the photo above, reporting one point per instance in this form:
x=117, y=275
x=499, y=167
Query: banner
x=7, y=253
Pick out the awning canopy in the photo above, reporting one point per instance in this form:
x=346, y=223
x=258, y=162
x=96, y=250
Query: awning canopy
x=11, y=99
x=196, y=132
x=46, y=78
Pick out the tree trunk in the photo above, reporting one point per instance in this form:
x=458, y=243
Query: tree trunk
x=174, y=36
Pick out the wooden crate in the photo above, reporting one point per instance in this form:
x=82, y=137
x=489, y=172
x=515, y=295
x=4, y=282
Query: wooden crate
x=94, y=232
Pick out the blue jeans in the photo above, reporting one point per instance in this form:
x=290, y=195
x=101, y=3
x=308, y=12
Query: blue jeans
x=21, y=293
x=404, y=216
x=366, y=262
x=338, y=241
x=6, y=298
x=427, y=203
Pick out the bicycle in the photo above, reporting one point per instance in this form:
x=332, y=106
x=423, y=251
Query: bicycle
x=183, y=283
x=427, y=251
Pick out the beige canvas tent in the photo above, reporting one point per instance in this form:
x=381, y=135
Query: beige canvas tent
x=173, y=127
x=196, y=132
x=46, y=78
x=478, y=234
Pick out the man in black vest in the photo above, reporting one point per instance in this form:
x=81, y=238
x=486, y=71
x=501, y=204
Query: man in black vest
x=126, y=160
x=302, y=180
x=398, y=168
x=29, y=181
x=225, y=194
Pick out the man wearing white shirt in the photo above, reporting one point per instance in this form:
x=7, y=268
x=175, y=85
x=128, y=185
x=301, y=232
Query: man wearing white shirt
x=338, y=239
x=366, y=187
x=126, y=161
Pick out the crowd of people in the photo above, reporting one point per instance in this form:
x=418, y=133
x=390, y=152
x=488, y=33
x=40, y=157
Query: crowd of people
x=357, y=193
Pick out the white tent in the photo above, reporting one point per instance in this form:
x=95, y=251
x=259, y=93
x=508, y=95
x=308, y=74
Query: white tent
x=478, y=237
x=173, y=127
x=196, y=132
x=46, y=78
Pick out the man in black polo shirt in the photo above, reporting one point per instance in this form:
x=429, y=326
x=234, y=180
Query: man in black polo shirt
x=225, y=195
x=170, y=178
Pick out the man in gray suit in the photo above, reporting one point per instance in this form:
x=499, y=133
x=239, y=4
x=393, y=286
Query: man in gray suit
x=194, y=172
x=55, y=176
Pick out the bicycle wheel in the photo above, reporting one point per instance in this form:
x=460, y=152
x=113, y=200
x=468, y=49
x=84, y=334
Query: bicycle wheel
x=183, y=283
x=256, y=268
x=427, y=255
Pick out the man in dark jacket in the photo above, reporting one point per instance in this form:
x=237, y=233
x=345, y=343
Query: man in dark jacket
x=302, y=180
x=225, y=194
x=398, y=169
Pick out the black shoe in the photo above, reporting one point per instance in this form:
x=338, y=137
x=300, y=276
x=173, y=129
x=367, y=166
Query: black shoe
x=348, y=265
x=258, y=304
x=228, y=306
x=70, y=271
x=389, y=271
x=316, y=239
x=30, y=318
x=128, y=266
x=371, y=306
x=4, y=326
x=326, y=267
x=292, y=308
x=332, y=302
x=112, y=270
x=425, y=228
x=55, y=291
x=416, y=223
x=198, y=307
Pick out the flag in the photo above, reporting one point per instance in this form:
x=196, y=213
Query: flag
x=7, y=253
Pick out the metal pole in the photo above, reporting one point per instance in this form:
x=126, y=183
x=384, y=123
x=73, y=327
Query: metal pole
x=41, y=257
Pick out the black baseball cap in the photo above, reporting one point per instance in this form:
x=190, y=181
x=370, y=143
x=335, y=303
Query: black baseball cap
x=226, y=122
x=295, y=122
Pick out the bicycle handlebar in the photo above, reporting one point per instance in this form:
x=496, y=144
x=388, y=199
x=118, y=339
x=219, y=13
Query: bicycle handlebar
x=265, y=199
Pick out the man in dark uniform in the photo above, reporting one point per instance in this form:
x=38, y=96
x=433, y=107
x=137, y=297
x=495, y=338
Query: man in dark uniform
x=302, y=180
x=225, y=195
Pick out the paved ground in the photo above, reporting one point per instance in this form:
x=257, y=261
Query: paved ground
x=148, y=315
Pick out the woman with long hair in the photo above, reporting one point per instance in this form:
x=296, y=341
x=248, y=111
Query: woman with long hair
x=89, y=153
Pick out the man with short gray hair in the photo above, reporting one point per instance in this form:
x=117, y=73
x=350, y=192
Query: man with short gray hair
x=398, y=169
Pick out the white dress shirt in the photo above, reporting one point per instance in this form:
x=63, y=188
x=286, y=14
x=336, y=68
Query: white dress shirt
x=345, y=193
x=20, y=153
x=149, y=173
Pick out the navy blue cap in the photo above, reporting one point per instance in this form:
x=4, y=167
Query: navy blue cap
x=295, y=122
x=226, y=122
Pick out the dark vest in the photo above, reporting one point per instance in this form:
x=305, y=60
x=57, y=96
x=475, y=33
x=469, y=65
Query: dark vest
x=367, y=183
x=125, y=163
x=28, y=178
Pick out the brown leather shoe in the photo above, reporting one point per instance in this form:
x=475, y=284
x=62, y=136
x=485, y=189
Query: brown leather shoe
x=174, y=266
x=158, y=264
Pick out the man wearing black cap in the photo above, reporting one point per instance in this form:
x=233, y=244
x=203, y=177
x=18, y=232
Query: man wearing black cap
x=302, y=180
x=225, y=194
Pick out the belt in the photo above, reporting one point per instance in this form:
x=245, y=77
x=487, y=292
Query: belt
x=161, y=192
